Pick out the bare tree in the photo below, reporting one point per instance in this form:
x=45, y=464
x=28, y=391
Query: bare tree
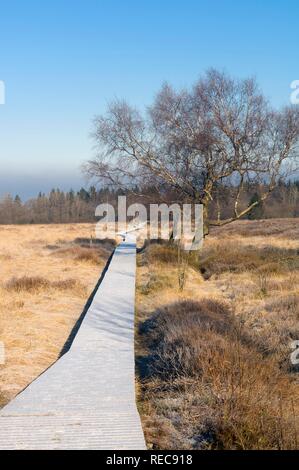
x=222, y=132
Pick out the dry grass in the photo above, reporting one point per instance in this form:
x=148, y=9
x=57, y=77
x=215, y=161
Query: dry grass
x=27, y=284
x=34, y=284
x=93, y=255
x=47, y=275
x=214, y=358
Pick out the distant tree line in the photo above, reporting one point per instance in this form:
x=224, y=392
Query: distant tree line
x=282, y=202
x=63, y=207
x=56, y=207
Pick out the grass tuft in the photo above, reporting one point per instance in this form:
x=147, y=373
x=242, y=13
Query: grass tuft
x=27, y=283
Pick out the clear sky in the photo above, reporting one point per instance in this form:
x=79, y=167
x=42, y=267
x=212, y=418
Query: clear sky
x=62, y=61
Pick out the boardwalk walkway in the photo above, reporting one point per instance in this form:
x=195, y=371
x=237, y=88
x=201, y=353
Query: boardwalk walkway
x=86, y=400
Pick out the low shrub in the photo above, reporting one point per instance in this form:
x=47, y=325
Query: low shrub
x=212, y=388
x=27, y=283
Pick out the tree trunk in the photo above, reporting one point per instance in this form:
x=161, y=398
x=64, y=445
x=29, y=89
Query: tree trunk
x=206, y=225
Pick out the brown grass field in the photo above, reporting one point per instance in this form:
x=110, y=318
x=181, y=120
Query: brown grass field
x=47, y=274
x=213, y=340
x=213, y=330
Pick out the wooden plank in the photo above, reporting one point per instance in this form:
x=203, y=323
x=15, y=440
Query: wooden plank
x=86, y=400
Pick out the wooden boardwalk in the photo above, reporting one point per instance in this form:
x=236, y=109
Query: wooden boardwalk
x=86, y=400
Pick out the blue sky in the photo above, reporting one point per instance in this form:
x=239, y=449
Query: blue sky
x=63, y=61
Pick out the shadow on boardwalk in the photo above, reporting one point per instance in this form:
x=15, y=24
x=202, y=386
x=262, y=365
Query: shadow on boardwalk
x=78, y=323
